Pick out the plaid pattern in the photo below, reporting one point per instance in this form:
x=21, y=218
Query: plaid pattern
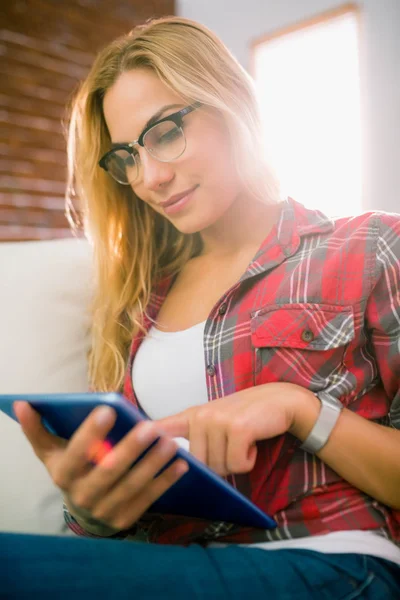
x=319, y=306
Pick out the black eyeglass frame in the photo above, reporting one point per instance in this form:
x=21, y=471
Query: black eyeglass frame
x=176, y=118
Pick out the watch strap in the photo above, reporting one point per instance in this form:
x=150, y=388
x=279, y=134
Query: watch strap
x=326, y=421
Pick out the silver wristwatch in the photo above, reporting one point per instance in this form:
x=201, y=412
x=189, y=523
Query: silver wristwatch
x=327, y=418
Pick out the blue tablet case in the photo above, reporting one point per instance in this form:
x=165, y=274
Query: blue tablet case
x=200, y=493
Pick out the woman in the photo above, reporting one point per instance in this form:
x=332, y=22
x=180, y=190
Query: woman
x=264, y=333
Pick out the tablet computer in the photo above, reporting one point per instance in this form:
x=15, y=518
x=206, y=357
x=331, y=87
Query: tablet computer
x=200, y=492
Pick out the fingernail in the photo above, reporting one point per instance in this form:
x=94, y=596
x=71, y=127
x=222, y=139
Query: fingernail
x=146, y=432
x=182, y=467
x=104, y=415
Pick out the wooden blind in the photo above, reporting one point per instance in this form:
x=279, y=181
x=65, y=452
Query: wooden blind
x=46, y=48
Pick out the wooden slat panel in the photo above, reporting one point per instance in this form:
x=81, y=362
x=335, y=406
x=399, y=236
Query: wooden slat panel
x=33, y=217
x=20, y=137
x=30, y=122
x=18, y=86
x=32, y=58
x=32, y=106
x=11, y=233
x=35, y=169
x=31, y=184
x=78, y=26
x=25, y=152
x=51, y=48
x=18, y=199
x=47, y=47
x=56, y=20
x=35, y=74
x=33, y=23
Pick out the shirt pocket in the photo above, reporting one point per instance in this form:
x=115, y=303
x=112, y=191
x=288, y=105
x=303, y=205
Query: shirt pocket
x=302, y=343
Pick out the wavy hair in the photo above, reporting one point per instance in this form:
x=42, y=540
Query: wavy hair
x=133, y=245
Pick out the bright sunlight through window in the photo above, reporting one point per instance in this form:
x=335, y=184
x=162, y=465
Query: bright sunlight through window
x=308, y=86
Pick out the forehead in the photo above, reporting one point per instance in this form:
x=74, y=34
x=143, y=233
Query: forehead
x=133, y=99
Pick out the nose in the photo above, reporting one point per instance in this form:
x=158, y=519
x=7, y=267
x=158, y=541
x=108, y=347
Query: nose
x=154, y=173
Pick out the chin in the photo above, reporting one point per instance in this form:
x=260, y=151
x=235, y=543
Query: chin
x=200, y=218
x=192, y=225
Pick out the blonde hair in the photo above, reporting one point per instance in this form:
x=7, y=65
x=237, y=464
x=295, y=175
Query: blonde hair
x=134, y=246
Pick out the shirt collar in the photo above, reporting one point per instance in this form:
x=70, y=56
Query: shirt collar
x=295, y=222
x=307, y=221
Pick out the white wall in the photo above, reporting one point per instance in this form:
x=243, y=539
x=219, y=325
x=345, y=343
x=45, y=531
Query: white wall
x=238, y=22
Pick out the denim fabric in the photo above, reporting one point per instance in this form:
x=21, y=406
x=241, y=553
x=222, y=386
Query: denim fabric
x=64, y=568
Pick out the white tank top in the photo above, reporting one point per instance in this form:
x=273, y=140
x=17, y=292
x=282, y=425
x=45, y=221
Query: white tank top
x=169, y=371
x=168, y=376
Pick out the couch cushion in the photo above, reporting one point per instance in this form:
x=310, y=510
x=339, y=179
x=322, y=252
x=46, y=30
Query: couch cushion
x=44, y=319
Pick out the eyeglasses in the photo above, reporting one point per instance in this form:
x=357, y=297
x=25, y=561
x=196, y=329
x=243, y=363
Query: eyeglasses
x=164, y=140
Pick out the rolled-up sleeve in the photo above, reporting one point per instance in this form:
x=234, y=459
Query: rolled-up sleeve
x=103, y=531
x=383, y=310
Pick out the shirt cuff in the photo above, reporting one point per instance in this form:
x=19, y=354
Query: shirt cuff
x=78, y=529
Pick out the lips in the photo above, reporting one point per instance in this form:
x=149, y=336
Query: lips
x=174, y=199
x=177, y=203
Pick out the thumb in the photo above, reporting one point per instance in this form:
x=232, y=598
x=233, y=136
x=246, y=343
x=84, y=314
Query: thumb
x=176, y=425
x=41, y=440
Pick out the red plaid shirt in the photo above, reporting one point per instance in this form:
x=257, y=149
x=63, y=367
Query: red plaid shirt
x=319, y=306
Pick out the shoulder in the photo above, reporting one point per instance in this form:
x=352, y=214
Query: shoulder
x=366, y=234
x=369, y=224
x=372, y=239
x=345, y=234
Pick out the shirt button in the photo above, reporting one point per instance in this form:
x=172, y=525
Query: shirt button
x=307, y=335
x=222, y=308
x=211, y=370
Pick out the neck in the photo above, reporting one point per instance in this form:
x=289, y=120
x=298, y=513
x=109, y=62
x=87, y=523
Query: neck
x=243, y=227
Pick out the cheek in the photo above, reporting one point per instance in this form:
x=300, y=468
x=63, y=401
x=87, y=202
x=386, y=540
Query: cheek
x=220, y=172
x=211, y=157
x=144, y=196
x=140, y=192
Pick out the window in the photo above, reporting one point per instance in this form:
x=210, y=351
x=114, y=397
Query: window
x=307, y=80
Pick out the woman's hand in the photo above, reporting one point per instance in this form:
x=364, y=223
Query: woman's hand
x=223, y=433
x=109, y=491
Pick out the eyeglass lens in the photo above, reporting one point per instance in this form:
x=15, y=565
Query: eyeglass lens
x=165, y=141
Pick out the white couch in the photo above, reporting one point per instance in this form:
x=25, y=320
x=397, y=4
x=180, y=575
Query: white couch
x=45, y=292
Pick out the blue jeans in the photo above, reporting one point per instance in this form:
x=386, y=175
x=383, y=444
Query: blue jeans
x=65, y=568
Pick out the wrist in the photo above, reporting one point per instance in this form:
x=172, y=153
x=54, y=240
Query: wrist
x=87, y=522
x=305, y=411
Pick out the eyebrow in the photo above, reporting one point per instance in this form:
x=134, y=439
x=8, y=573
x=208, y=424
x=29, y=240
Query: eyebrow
x=151, y=121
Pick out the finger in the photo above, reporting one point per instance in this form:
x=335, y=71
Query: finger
x=217, y=443
x=83, y=446
x=198, y=440
x=137, y=480
x=241, y=454
x=40, y=439
x=176, y=425
x=131, y=511
x=115, y=464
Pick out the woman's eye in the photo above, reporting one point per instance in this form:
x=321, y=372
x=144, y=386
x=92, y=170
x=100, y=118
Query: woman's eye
x=170, y=136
